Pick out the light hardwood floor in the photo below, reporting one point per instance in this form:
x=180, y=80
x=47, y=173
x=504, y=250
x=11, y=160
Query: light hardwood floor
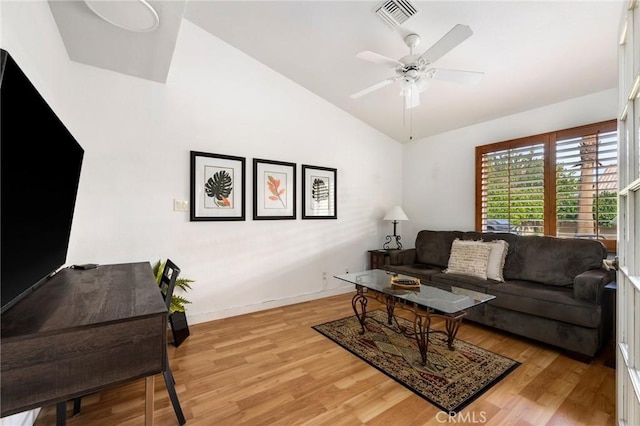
x=271, y=368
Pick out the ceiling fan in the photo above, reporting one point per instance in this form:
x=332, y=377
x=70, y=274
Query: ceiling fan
x=414, y=71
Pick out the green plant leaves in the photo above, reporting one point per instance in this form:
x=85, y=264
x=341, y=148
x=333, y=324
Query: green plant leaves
x=177, y=301
x=219, y=186
x=177, y=304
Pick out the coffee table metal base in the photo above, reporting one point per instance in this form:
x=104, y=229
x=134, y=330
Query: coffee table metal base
x=421, y=321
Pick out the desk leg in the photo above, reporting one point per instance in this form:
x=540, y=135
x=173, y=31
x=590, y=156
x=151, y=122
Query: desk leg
x=61, y=413
x=148, y=404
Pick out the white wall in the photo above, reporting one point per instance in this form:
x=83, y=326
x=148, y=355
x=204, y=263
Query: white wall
x=439, y=171
x=137, y=135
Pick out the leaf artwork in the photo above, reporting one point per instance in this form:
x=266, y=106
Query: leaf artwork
x=219, y=187
x=274, y=187
x=319, y=190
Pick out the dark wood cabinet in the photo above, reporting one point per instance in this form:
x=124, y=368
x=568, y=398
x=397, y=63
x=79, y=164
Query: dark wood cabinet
x=80, y=332
x=378, y=258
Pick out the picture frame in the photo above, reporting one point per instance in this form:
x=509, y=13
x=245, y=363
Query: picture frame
x=319, y=192
x=274, y=190
x=217, y=187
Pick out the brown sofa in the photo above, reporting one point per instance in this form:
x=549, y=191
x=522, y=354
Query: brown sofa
x=553, y=289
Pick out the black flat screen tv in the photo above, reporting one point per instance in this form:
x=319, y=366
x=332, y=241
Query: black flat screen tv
x=39, y=176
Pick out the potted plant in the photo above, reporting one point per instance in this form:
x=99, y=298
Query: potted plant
x=177, y=317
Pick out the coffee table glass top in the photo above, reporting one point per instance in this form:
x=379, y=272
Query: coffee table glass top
x=456, y=300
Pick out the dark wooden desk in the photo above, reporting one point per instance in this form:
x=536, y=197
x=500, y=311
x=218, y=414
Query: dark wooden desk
x=81, y=332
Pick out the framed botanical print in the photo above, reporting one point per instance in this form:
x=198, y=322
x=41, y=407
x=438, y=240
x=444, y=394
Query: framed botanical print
x=217, y=187
x=319, y=192
x=274, y=190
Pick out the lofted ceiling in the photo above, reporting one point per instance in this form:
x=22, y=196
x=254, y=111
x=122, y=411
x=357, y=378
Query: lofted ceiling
x=532, y=53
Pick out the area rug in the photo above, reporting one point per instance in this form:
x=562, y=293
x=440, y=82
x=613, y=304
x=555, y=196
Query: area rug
x=450, y=381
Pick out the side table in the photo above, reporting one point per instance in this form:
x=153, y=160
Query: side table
x=378, y=258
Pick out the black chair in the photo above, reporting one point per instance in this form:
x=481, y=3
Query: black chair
x=167, y=284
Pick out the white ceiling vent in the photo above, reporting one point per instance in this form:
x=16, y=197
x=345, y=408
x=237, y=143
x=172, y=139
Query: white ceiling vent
x=396, y=12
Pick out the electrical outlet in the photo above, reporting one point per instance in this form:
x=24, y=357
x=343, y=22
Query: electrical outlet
x=324, y=276
x=180, y=205
x=346, y=270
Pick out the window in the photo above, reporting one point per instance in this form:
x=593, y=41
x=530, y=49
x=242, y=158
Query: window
x=561, y=183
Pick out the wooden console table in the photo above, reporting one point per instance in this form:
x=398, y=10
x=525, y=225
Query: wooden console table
x=81, y=332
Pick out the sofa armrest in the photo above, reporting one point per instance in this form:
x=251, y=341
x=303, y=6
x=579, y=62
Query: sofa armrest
x=402, y=257
x=589, y=285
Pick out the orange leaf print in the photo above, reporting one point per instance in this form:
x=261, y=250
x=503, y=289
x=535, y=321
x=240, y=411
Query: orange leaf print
x=273, y=185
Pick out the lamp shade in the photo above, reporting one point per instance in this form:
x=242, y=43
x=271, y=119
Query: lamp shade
x=395, y=213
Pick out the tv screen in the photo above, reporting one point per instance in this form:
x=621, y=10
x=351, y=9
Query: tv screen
x=39, y=175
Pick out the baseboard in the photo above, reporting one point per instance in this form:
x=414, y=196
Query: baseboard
x=270, y=304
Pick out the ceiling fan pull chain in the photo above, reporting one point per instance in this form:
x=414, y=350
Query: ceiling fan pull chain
x=411, y=124
x=404, y=112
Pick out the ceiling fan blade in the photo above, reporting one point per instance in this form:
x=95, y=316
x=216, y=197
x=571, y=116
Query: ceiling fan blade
x=374, y=87
x=378, y=59
x=454, y=37
x=457, y=76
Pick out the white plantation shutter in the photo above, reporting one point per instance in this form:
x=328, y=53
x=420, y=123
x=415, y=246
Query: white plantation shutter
x=586, y=186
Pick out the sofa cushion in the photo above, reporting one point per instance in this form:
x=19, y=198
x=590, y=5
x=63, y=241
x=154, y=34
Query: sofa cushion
x=469, y=258
x=545, y=301
x=433, y=247
x=552, y=261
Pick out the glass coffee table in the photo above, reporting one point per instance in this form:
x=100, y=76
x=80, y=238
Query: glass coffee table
x=425, y=302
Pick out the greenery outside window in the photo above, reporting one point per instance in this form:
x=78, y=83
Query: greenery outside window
x=561, y=183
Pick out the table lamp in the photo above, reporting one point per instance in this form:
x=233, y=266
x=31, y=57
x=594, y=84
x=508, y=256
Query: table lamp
x=395, y=214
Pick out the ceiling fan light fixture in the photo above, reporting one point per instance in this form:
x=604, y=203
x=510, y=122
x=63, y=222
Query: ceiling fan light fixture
x=133, y=15
x=411, y=97
x=422, y=84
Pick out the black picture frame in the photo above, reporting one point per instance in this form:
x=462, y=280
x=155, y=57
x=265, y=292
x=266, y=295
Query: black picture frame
x=274, y=190
x=319, y=192
x=218, y=185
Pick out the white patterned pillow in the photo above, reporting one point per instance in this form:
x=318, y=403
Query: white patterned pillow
x=469, y=258
x=497, y=257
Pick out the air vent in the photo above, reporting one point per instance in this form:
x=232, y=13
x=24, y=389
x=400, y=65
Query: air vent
x=396, y=12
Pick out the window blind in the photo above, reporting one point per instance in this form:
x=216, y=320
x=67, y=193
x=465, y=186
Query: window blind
x=513, y=190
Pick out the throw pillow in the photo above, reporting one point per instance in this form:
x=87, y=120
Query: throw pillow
x=497, y=257
x=469, y=258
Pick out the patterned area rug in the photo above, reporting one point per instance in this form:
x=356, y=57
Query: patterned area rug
x=450, y=381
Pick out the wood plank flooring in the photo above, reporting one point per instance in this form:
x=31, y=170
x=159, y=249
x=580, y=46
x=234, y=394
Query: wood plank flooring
x=271, y=368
